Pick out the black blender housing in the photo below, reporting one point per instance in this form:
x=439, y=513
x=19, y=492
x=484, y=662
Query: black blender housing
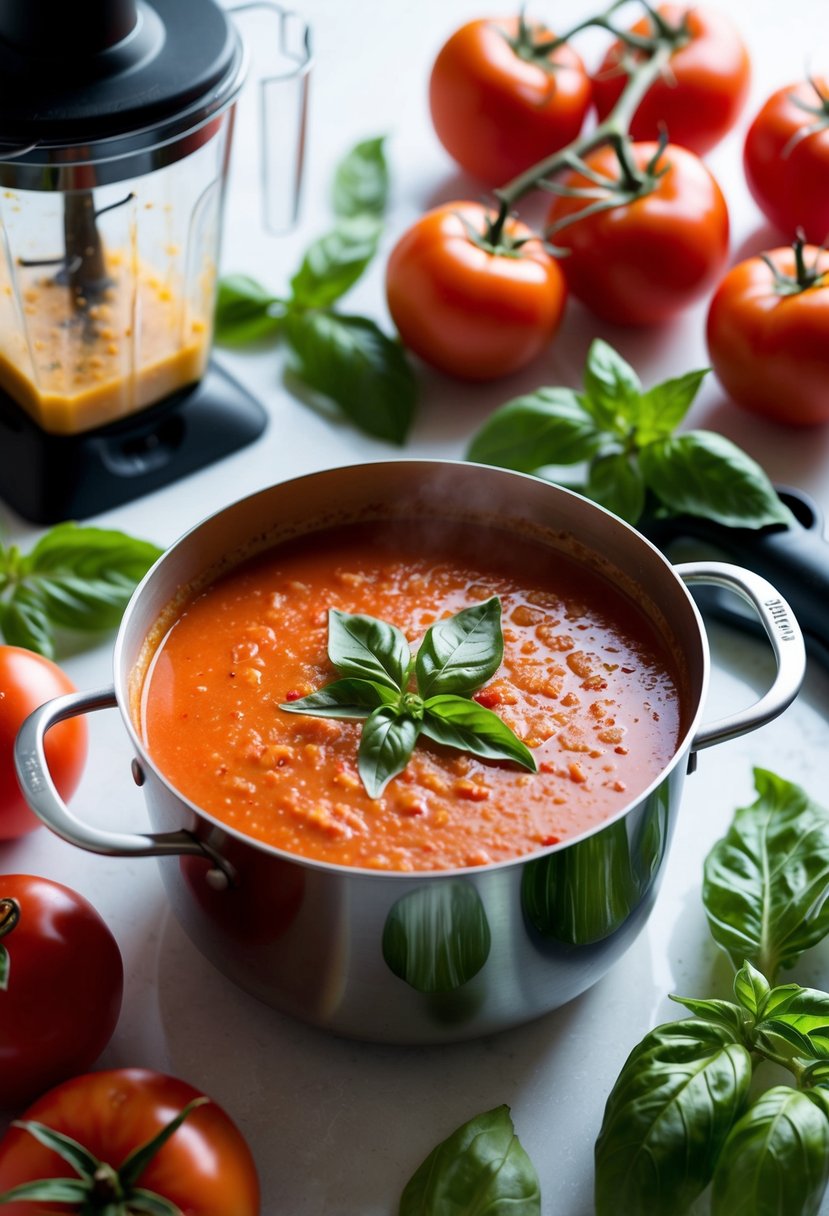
x=97, y=92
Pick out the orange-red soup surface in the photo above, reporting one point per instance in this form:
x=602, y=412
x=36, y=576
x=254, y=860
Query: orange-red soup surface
x=585, y=682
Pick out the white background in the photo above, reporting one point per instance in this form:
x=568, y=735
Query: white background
x=338, y=1127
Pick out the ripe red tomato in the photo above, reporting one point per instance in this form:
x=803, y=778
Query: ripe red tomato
x=769, y=345
x=26, y=681
x=699, y=97
x=468, y=309
x=63, y=986
x=497, y=110
x=644, y=261
x=787, y=170
x=205, y=1168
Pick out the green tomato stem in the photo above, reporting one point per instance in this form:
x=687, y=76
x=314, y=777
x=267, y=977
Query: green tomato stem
x=9, y=916
x=612, y=131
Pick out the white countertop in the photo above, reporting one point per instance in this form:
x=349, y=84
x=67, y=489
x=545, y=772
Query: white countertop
x=338, y=1127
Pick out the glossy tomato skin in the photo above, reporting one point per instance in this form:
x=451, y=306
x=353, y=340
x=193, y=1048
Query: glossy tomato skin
x=467, y=311
x=770, y=351
x=700, y=96
x=206, y=1167
x=789, y=177
x=496, y=113
x=63, y=996
x=643, y=262
x=26, y=681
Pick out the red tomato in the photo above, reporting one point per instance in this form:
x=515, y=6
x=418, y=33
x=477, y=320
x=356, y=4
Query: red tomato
x=26, y=681
x=468, y=309
x=644, y=261
x=787, y=170
x=63, y=991
x=770, y=347
x=497, y=112
x=701, y=93
x=205, y=1167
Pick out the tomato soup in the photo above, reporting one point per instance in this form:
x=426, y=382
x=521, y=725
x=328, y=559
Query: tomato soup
x=585, y=682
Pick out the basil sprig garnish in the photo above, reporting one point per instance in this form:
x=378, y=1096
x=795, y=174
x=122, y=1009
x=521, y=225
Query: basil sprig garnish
x=689, y=1108
x=457, y=655
x=622, y=437
x=74, y=578
x=336, y=358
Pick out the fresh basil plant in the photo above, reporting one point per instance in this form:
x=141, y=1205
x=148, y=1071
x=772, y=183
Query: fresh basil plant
x=688, y=1108
x=457, y=655
x=623, y=438
x=337, y=357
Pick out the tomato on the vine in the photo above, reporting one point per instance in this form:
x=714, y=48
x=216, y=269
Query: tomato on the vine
x=26, y=681
x=205, y=1168
x=700, y=94
x=499, y=104
x=470, y=308
x=61, y=980
x=786, y=159
x=643, y=261
x=768, y=335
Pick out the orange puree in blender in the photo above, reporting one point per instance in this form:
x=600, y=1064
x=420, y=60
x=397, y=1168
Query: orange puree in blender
x=82, y=367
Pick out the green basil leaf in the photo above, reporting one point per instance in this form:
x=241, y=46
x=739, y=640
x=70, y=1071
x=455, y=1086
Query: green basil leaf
x=612, y=388
x=245, y=311
x=334, y=263
x=461, y=652
x=766, y=882
x=804, y=1010
x=662, y=408
x=614, y=481
x=386, y=744
x=481, y=1168
x=549, y=426
x=669, y=1113
x=369, y=649
x=24, y=622
x=751, y=989
x=75, y=578
x=351, y=362
x=720, y=1013
x=349, y=698
x=361, y=180
x=705, y=474
x=776, y=1160
x=784, y=1044
x=470, y=727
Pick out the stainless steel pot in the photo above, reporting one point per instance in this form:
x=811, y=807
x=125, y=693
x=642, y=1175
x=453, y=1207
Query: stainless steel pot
x=425, y=957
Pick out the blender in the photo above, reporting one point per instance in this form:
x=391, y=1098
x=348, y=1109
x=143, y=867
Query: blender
x=116, y=119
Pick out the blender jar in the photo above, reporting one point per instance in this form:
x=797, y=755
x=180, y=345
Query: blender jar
x=116, y=119
x=106, y=297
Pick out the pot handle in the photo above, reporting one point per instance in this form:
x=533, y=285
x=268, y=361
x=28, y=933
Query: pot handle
x=785, y=637
x=44, y=799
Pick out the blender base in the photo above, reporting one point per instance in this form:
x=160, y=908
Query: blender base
x=48, y=478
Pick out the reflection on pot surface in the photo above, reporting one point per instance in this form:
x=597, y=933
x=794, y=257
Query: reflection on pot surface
x=587, y=892
x=437, y=937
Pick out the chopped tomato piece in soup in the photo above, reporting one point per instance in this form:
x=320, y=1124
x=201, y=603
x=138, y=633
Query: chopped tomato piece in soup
x=586, y=682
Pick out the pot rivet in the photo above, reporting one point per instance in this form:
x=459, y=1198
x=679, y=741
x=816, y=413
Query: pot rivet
x=137, y=773
x=217, y=880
